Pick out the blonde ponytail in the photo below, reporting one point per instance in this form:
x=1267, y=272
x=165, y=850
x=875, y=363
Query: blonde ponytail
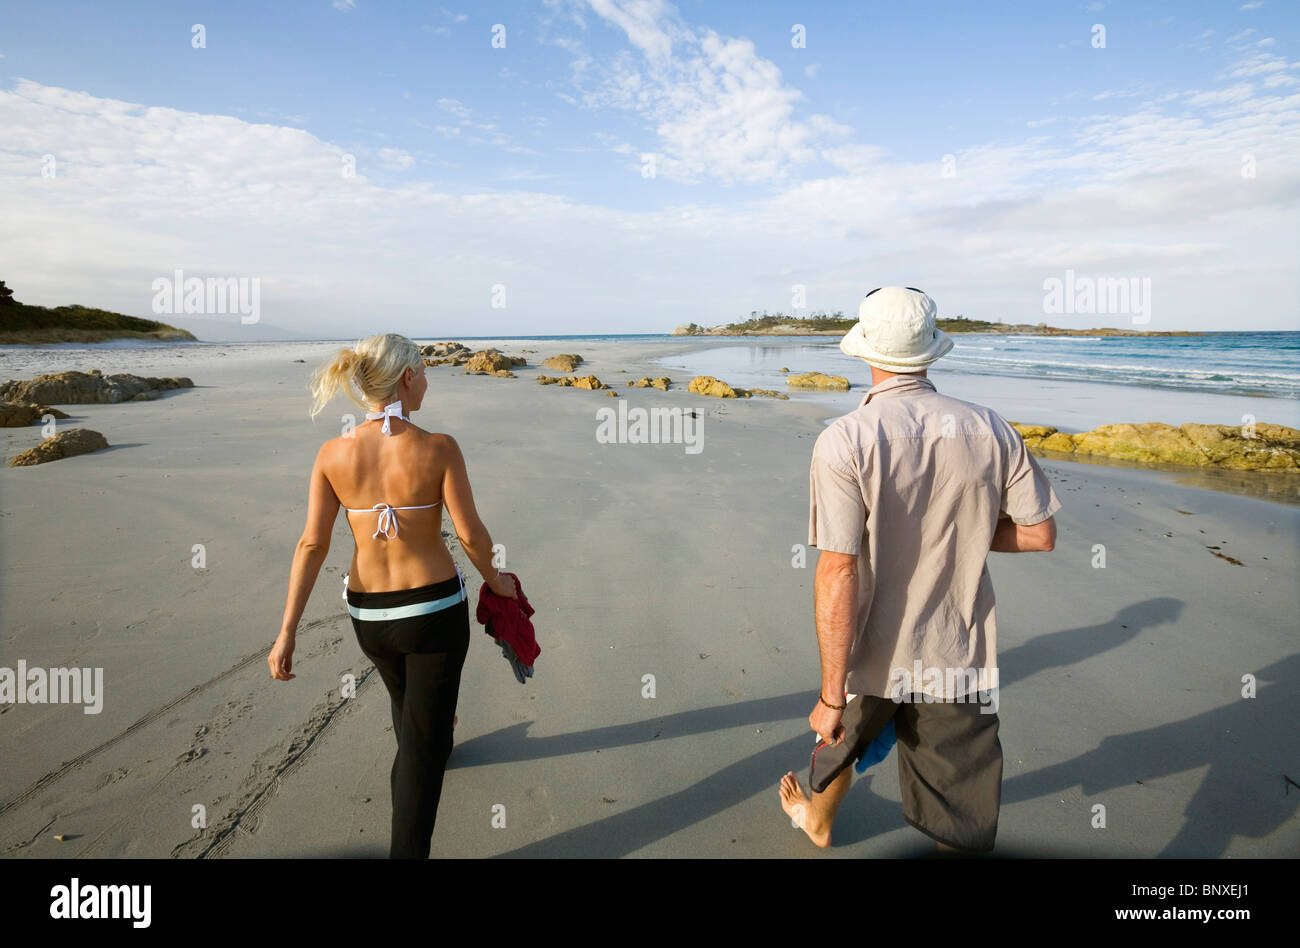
x=368, y=372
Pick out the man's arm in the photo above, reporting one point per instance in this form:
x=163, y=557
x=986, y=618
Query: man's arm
x=1012, y=537
x=835, y=601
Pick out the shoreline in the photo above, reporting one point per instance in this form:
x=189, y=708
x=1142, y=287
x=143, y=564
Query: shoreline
x=648, y=355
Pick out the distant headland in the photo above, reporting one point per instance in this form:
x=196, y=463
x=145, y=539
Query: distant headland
x=22, y=324
x=834, y=324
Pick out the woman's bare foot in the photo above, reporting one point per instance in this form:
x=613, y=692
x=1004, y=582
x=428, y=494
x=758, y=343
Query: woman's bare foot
x=799, y=808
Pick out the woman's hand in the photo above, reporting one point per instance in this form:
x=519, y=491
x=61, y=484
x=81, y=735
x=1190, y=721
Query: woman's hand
x=281, y=657
x=502, y=585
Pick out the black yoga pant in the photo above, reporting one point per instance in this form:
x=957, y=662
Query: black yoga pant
x=420, y=660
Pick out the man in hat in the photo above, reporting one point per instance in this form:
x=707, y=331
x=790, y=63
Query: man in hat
x=908, y=495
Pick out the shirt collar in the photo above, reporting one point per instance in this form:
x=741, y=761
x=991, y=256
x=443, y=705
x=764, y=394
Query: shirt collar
x=899, y=383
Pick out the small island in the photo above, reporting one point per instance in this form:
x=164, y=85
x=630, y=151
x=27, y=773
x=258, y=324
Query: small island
x=835, y=324
x=22, y=324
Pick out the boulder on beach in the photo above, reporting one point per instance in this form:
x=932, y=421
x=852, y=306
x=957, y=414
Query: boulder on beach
x=65, y=444
x=564, y=362
x=443, y=350
x=587, y=381
x=818, y=381
x=82, y=388
x=660, y=383
x=1265, y=447
x=708, y=385
x=13, y=415
x=492, y=362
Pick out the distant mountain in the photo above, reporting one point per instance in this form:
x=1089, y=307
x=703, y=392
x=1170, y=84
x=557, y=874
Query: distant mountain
x=232, y=330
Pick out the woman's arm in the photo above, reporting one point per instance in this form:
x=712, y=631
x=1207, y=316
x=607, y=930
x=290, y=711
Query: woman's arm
x=458, y=498
x=308, y=557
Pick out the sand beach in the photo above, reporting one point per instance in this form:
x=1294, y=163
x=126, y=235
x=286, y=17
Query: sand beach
x=679, y=654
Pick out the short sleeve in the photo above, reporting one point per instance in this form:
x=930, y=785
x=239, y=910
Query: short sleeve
x=837, y=512
x=1027, y=495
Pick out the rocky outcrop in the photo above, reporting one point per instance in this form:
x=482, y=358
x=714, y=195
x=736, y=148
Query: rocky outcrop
x=564, y=362
x=65, y=444
x=83, y=388
x=661, y=383
x=589, y=382
x=1265, y=448
x=818, y=381
x=16, y=416
x=690, y=329
x=708, y=385
x=492, y=362
x=442, y=350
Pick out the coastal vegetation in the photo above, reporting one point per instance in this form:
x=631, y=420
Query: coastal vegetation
x=21, y=323
x=828, y=324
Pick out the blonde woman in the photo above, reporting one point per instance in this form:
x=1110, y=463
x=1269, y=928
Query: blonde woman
x=404, y=592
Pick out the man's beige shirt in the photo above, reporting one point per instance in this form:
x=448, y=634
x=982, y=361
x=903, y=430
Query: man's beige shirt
x=913, y=483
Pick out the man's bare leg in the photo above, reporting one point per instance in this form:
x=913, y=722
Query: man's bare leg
x=816, y=814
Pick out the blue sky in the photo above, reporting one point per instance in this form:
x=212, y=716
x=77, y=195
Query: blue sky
x=524, y=167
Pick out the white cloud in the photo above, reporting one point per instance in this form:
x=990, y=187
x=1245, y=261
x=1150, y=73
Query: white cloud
x=719, y=109
x=1253, y=5
x=396, y=159
x=345, y=5
x=811, y=71
x=455, y=107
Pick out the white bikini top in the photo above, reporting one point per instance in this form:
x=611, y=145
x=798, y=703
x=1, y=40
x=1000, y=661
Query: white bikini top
x=387, y=516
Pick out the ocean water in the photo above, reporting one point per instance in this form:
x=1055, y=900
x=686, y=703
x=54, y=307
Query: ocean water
x=1074, y=383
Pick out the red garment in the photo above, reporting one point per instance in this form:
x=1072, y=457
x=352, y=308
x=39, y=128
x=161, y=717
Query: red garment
x=507, y=619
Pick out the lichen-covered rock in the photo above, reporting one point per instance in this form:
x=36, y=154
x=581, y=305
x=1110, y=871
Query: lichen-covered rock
x=612, y=394
x=564, y=362
x=65, y=444
x=16, y=416
x=818, y=381
x=1267, y=447
x=586, y=381
x=83, y=388
x=764, y=392
x=661, y=383
x=491, y=362
x=708, y=385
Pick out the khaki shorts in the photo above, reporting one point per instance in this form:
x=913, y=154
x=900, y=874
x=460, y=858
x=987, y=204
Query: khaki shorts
x=949, y=764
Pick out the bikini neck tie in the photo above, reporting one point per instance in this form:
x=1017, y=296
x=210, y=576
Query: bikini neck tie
x=387, y=414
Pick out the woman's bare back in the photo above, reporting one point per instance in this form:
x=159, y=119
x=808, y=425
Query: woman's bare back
x=404, y=469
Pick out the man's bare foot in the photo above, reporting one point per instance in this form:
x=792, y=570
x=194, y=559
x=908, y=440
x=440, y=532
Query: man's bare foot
x=799, y=808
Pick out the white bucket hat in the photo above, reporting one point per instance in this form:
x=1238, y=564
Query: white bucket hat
x=896, y=330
